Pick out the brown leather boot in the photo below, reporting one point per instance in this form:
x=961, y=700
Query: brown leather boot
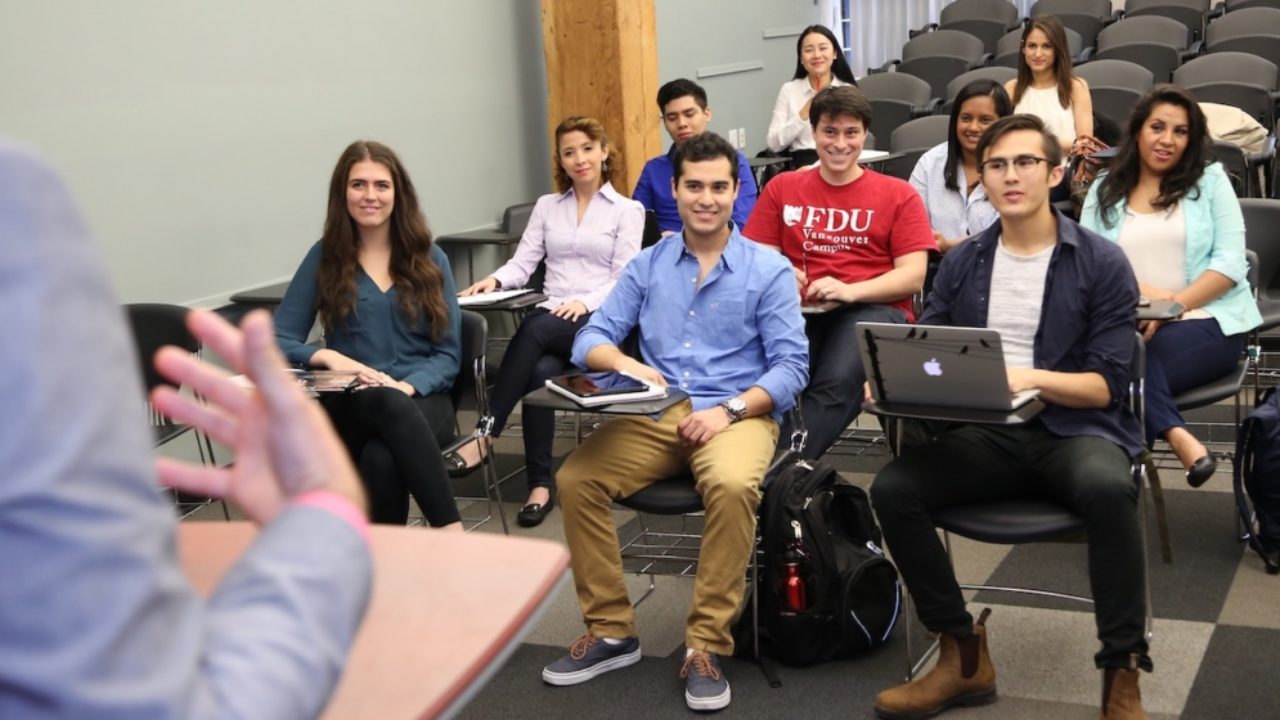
x=1121, y=699
x=963, y=676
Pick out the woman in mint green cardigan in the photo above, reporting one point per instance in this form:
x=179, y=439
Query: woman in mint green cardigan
x=1179, y=223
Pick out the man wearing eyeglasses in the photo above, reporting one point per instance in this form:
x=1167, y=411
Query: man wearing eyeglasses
x=1063, y=301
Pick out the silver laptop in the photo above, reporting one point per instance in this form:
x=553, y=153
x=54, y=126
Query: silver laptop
x=955, y=367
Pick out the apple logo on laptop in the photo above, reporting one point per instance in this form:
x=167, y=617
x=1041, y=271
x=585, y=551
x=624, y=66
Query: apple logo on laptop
x=933, y=368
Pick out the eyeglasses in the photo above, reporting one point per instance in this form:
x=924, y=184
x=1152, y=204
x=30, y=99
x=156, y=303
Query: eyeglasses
x=1023, y=164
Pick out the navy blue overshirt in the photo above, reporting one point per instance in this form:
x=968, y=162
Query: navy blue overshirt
x=1087, y=320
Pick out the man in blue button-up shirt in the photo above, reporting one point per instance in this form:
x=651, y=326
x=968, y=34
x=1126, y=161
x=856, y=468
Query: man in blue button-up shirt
x=685, y=115
x=1064, y=302
x=718, y=317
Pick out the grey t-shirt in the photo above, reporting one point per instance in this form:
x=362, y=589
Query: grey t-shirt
x=1017, y=291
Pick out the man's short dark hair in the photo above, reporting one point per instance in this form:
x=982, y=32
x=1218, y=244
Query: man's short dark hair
x=678, y=88
x=835, y=101
x=1005, y=125
x=700, y=148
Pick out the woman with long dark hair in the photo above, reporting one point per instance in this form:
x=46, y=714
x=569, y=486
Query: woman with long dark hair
x=1046, y=87
x=586, y=233
x=947, y=175
x=1176, y=217
x=819, y=63
x=385, y=297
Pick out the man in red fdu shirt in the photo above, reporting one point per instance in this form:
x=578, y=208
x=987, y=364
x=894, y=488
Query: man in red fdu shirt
x=859, y=243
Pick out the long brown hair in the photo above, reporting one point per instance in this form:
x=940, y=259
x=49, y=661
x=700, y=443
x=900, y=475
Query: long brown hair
x=1054, y=30
x=590, y=127
x=418, y=280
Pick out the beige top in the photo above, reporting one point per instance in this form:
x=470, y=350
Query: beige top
x=1044, y=104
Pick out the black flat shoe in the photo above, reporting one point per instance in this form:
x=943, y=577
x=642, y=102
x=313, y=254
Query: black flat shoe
x=457, y=467
x=532, y=515
x=1201, y=470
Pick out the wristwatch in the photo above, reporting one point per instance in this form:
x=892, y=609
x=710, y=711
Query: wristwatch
x=736, y=407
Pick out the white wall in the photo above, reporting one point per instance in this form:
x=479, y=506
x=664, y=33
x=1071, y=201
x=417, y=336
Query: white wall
x=199, y=136
x=708, y=35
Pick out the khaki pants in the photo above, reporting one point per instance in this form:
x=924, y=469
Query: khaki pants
x=627, y=454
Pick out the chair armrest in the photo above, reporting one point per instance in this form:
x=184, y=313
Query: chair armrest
x=927, y=28
x=892, y=64
x=983, y=61
x=1086, y=54
x=1216, y=12
x=1194, y=51
x=1266, y=155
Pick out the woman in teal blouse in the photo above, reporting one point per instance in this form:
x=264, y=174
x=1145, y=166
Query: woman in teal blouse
x=1179, y=223
x=385, y=297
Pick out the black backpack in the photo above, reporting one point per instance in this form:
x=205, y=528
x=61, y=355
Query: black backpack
x=1256, y=477
x=853, y=597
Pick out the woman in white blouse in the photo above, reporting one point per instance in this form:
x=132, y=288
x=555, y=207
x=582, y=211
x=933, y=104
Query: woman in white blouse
x=1177, y=219
x=1046, y=87
x=819, y=63
x=947, y=175
x=586, y=233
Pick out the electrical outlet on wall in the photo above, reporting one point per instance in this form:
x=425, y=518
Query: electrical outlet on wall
x=742, y=137
x=733, y=137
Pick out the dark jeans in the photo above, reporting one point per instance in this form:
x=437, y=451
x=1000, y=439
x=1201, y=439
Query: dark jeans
x=395, y=441
x=1183, y=355
x=833, y=397
x=539, y=350
x=977, y=463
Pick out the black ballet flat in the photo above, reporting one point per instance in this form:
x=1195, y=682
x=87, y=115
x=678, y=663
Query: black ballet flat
x=1201, y=470
x=456, y=466
x=533, y=514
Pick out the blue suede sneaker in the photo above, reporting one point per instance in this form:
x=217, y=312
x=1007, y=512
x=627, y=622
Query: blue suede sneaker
x=705, y=686
x=588, y=657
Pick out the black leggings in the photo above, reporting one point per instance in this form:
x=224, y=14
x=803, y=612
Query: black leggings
x=395, y=441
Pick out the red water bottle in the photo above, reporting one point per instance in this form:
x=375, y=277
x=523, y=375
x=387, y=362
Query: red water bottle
x=794, y=568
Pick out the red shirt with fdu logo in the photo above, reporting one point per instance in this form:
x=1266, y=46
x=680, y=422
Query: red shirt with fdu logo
x=850, y=232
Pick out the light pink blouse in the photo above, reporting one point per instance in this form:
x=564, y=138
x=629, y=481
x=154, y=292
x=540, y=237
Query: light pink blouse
x=583, y=260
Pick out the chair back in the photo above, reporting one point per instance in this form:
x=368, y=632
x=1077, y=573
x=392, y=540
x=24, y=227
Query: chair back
x=1233, y=5
x=516, y=218
x=155, y=325
x=954, y=43
x=999, y=74
x=1189, y=13
x=1261, y=218
x=921, y=133
x=1147, y=29
x=1001, y=11
x=937, y=70
x=1241, y=23
x=1233, y=67
x=895, y=86
x=1255, y=100
x=471, y=373
x=1098, y=9
x=1116, y=73
x=652, y=232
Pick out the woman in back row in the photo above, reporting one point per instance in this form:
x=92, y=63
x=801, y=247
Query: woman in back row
x=819, y=63
x=1176, y=217
x=586, y=233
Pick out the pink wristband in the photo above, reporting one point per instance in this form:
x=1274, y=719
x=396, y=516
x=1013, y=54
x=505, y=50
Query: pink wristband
x=338, y=505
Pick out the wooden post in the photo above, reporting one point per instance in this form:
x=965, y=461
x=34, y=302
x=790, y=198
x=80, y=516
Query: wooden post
x=602, y=61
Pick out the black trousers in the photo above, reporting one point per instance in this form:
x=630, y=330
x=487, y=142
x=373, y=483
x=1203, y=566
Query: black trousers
x=395, y=441
x=833, y=397
x=976, y=463
x=540, y=350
